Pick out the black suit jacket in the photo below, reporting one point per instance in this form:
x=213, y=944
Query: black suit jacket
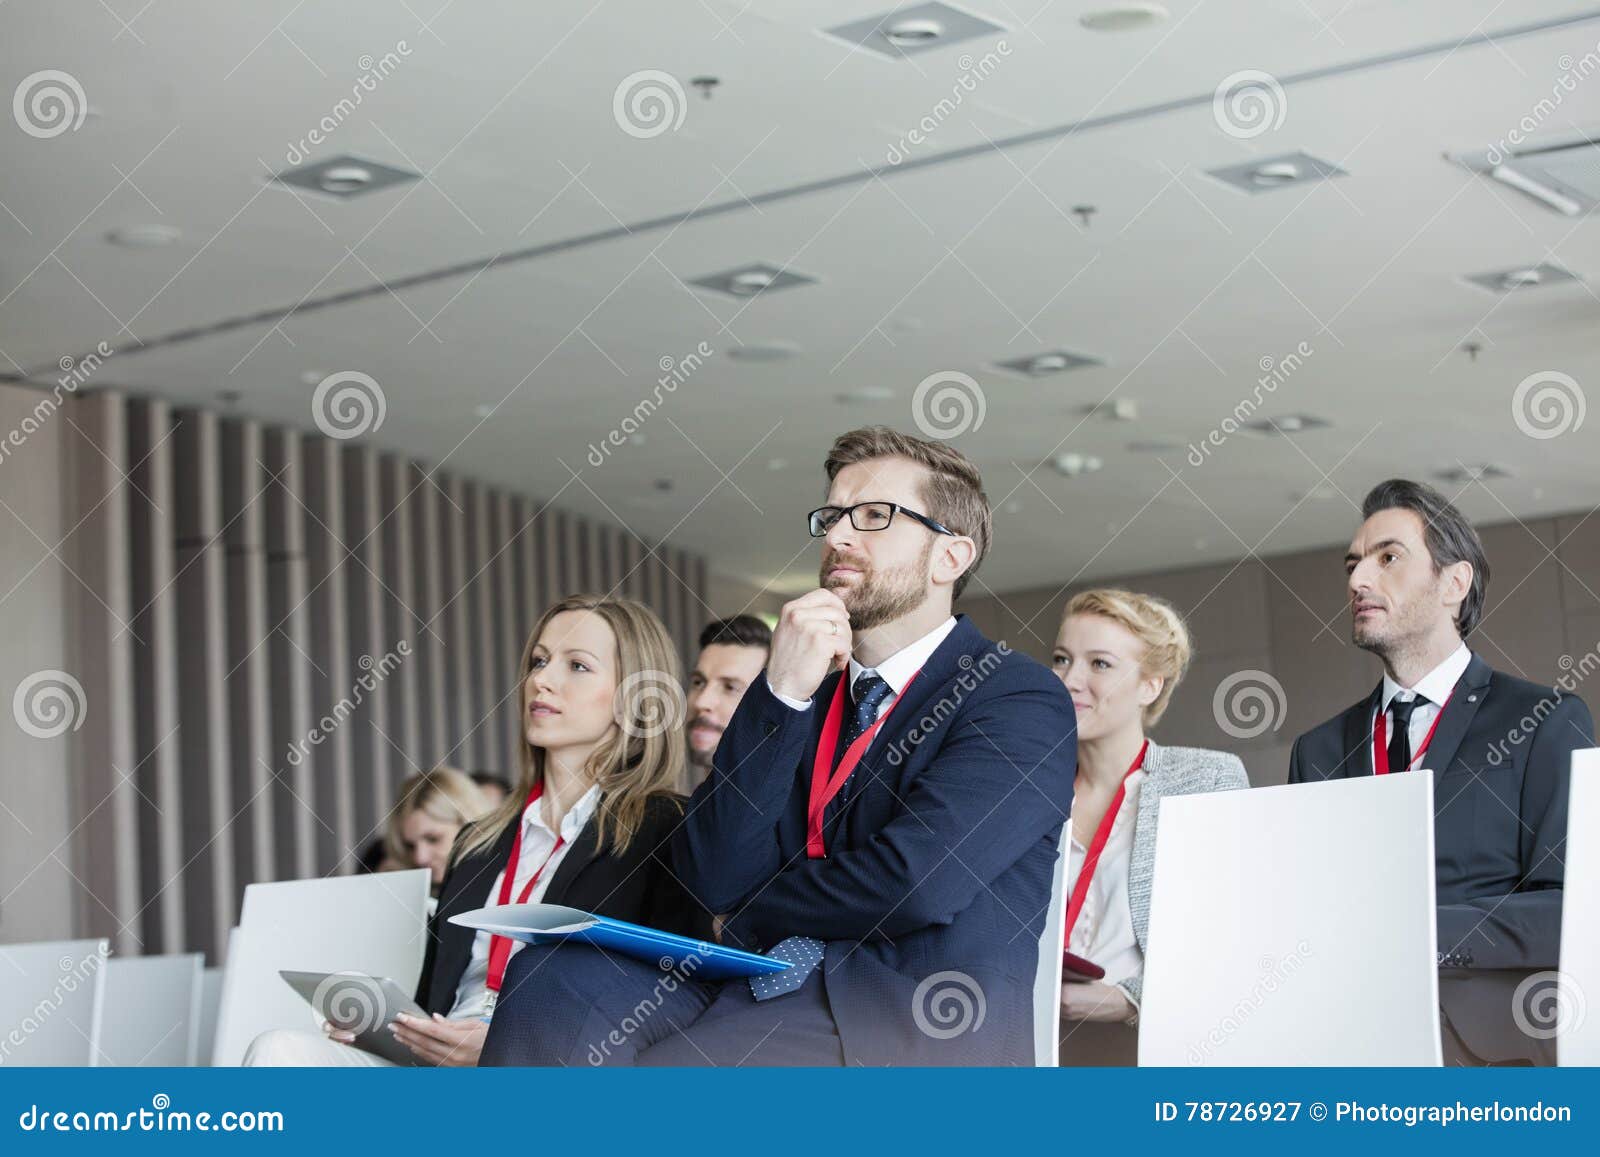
x=637, y=886
x=1501, y=760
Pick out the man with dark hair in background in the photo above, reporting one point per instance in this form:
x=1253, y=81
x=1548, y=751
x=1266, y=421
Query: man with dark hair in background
x=1417, y=577
x=733, y=652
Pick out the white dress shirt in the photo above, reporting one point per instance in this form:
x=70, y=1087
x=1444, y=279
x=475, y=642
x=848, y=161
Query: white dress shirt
x=537, y=844
x=1436, y=685
x=1104, y=931
x=896, y=670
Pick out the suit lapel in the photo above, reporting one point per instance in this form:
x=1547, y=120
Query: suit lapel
x=1457, y=716
x=579, y=856
x=1358, y=737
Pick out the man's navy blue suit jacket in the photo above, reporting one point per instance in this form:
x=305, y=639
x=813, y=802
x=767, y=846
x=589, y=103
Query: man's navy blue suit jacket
x=940, y=851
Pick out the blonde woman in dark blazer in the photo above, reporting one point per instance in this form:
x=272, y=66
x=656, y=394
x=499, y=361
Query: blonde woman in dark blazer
x=1121, y=656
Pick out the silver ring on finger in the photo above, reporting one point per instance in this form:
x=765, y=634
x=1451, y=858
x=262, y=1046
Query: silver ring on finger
x=833, y=627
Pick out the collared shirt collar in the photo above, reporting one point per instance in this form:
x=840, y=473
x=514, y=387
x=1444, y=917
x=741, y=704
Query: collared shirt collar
x=1436, y=685
x=898, y=668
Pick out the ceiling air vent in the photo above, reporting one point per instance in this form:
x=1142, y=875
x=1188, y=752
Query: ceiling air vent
x=1561, y=175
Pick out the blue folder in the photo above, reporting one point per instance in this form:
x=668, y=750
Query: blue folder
x=550, y=923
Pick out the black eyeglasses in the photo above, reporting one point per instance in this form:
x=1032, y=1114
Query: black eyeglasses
x=868, y=516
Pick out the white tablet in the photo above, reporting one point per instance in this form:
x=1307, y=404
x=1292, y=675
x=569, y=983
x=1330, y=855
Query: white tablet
x=362, y=1004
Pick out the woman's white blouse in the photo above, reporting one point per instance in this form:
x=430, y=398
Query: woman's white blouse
x=1104, y=931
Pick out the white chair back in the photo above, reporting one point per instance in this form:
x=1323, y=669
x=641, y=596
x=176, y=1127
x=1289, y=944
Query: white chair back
x=1047, y=980
x=150, y=1011
x=1565, y=1013
x=50, y=1002
x=375, y=924
x=1271, y=907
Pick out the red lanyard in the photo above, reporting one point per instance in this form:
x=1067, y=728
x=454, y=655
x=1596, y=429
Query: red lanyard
x=1091, y=860
x=1380, y=739
x=824, y=786
x=500, y=946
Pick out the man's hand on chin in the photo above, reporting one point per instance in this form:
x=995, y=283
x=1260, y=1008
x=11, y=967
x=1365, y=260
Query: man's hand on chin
x=812, y=638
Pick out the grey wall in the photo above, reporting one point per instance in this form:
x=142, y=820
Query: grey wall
x=1286, y=616
x=35, y=805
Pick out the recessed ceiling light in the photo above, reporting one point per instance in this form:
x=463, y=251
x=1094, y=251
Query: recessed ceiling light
x=1270, y=173
x=144, y=236
x=866, y=394
x=773, y=351
x=919, y=28
x=1478, y=472
x=1072, y=464
x=752, y=280
x=1123, y=18
x=777, y=463
x=345, y=177
x=1013, y=507
x=483, y=411
x=1049, y=362
x=1286, y=424
x=1522, y=277
x=313, y=377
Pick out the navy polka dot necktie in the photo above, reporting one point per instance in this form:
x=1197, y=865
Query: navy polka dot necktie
x=868, y=694
x=801, y=953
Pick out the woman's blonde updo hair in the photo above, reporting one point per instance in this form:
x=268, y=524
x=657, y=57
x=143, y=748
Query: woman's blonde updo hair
x=1156, y=624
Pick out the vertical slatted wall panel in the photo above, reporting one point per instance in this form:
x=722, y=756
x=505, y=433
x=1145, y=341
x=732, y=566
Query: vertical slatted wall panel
x=244, y=519
x=486, y=680
x=154, y=625
x=288, y=646
x=400, y=614
x=433, y=659
x=108, y=863
x=333, y=766
x=369, y=646
x=506, y=621
x=458, y=636
x=253, y=568
x=201, y=587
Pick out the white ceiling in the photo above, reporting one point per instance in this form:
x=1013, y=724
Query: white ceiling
x=1180, y=284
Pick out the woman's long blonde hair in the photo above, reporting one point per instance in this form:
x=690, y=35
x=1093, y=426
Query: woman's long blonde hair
x=643, y=756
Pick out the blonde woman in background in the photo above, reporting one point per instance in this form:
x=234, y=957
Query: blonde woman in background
x=1121, y=656
x=432, y=809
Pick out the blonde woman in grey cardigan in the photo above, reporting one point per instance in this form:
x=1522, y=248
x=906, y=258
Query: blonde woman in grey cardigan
x=1121, y=656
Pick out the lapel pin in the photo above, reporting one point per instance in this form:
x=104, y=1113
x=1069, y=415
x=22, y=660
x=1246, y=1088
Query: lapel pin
x=1472, y=698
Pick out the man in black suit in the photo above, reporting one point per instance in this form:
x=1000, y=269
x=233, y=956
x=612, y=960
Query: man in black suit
x=1499, y=748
